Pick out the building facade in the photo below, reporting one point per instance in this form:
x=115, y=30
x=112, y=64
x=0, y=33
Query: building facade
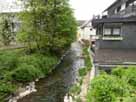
x=117, y=35
x=85, y=30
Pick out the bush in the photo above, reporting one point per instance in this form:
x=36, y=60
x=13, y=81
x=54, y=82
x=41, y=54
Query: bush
x=41, y=62
x=119, y=71
x=30, y=60
x=75, y=89
x=128, y=74
x=106, y=88
x=6, y=89
x=26, y=73
x=47, y=63
x=8, y=61
x=82, y=72
x=88, y=63
x=129, y=99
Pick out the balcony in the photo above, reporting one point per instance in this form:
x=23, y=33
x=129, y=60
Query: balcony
x=129, y=11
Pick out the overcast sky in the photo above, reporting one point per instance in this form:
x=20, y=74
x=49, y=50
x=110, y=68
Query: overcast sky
x=84, y=9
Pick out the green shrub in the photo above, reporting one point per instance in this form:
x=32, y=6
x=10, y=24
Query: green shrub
x=30, y=60
x=119, y=71
x=82, y=72
x=107, y=88
x=130, y=76
x=8, y=60
x=47, y=64
x=129, y=99
x=41, y=62
x=75, y=89
x=88, y=63
x=6, y=88
x=26, y=73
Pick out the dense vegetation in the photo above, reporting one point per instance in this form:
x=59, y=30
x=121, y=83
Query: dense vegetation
x=7, y=28
x=18, y=68
x=120, y=86
x=47, y=29
x=48, y=25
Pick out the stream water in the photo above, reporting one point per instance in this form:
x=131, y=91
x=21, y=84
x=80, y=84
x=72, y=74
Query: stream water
x=57, y=85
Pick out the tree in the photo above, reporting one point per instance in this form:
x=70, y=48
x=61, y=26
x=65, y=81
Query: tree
x=7, y=34
x=47, y=24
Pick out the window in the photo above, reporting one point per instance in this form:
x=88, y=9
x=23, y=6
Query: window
x=123, y=6
x=116, y=31
x=107, y=31
x=111, y=31
x=115, y=12
x=112, y=34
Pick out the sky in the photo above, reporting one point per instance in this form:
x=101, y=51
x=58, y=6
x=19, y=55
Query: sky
x=9, y=6
x=85, y=9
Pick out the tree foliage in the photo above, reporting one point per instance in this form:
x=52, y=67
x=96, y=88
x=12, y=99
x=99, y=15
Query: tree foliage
x=6, y=28
x=47, y=24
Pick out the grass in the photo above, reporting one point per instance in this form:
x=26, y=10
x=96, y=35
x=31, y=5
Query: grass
x=88, y=64
x=86, y=54
x=75, y=89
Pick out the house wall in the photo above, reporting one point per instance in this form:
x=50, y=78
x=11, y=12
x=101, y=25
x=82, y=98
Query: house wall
x=85, y=33
x=128, y=32
x=124, y=12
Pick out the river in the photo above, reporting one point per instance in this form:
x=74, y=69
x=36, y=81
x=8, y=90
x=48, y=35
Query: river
x=57, y=85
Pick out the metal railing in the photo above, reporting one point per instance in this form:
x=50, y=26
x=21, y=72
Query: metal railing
x=129, y=11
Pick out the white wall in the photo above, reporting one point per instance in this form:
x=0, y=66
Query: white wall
x=86, y=33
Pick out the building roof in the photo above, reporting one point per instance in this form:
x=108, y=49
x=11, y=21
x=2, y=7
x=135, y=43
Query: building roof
x=86, y=23
x=115, y=56
x=95, y=22
x=81, y=22
x=114, y=3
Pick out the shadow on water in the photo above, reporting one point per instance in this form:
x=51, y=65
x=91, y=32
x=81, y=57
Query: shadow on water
x=55, y=86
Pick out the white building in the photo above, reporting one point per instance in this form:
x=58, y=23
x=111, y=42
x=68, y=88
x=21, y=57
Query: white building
x=85, y=31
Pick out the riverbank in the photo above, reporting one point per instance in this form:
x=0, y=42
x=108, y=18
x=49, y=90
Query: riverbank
x=58, y=83
x=87, y=80
x=85, y=75
x=54, y=87
x=19, y=69
x=31, y=87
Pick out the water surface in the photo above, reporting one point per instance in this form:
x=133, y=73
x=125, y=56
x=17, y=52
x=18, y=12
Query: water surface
x=56, y=85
